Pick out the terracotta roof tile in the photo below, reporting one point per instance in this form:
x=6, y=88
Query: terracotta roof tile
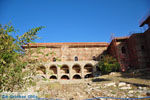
x=67, y=43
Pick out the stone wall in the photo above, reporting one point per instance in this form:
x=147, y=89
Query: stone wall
x=132, y=52
x=67, y=70
x=67, y=61
x=137, y=50
x=68, y=52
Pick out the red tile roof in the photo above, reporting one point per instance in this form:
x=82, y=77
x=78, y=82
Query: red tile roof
x=67, y=43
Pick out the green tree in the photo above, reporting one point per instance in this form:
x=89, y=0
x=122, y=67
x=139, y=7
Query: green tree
x=12, y=64
x=108, y=64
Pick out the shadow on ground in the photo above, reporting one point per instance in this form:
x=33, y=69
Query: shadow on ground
x=100, y=80
x=136, y=84
x=139, y=73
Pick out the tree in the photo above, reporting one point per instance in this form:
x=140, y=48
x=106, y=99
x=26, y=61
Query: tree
x=108, y=64
x=12, y=76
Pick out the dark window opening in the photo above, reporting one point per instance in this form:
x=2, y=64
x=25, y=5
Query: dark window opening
x=76, y=58
x=88, y=68
x=142, y=47
x=54, y=59
x=101, y=58
x=53, y=77
x=41, y=70
x=123, y=50
x=53, y=68
x=65, y=77
x=94, y=58
x=76, y=68
x=76, y=77
x=64, y=69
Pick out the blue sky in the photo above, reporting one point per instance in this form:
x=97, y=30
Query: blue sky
x=75, y=20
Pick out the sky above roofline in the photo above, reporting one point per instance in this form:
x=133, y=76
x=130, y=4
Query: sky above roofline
x=75, y=20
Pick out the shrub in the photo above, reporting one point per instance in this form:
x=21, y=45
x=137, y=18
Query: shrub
x=12, y=76
x=108, y=64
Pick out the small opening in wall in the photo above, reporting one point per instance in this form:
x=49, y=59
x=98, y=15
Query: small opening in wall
x=75, y=58
x=76, y=68
x=142, y=47
x=65, y=77
x=76, y=77
x=123, y=49
x=53, y=69
x=94, y=58
x=88, y=68
x=54, y=59
x=53, y=77
x=101, y=57
x=41, y=70
x=64, y=69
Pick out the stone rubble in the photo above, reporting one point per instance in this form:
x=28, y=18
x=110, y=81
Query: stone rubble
x=88, y=89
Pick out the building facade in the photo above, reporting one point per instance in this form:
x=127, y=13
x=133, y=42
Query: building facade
x=67, y=60
x=133, y=51
x=79, y=60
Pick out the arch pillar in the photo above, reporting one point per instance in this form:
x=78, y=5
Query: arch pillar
x=70, y=72
x=58, y=73
x=82, y=71
x=47, y=72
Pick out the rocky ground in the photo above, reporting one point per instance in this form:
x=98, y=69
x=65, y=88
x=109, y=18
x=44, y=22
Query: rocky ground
x=112, y=85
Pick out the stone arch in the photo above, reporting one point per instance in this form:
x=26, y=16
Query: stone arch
x=76, y=76
x=40, y=77
x=88, y=68
x=64, y=69
x=53, y=69
x=65, y=77
x=41, y=69
x=88, y=76
x=43, y=77
x=76, y=68
x=53, y=77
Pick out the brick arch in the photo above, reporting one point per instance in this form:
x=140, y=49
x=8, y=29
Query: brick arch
x=64, y=69
x=41, y=69
x=76, y=76
x=88, y=68
x=65, y=77
x=76, y=68
x=53, y=69
x=88, y=76
x=53, y=77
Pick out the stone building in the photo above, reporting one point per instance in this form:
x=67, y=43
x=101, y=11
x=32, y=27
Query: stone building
x=79, y=60
x=133, y=51
x=67, y=60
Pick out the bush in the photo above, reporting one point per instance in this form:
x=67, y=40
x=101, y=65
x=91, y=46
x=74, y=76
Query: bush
x=108, y=64
x=12, y=64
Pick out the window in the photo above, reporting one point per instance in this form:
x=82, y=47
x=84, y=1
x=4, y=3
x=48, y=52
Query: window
x=94, y=58
x=123, y=50
x=75, y=58
x=54, y=59
x=102, y=57
x=142, y=47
